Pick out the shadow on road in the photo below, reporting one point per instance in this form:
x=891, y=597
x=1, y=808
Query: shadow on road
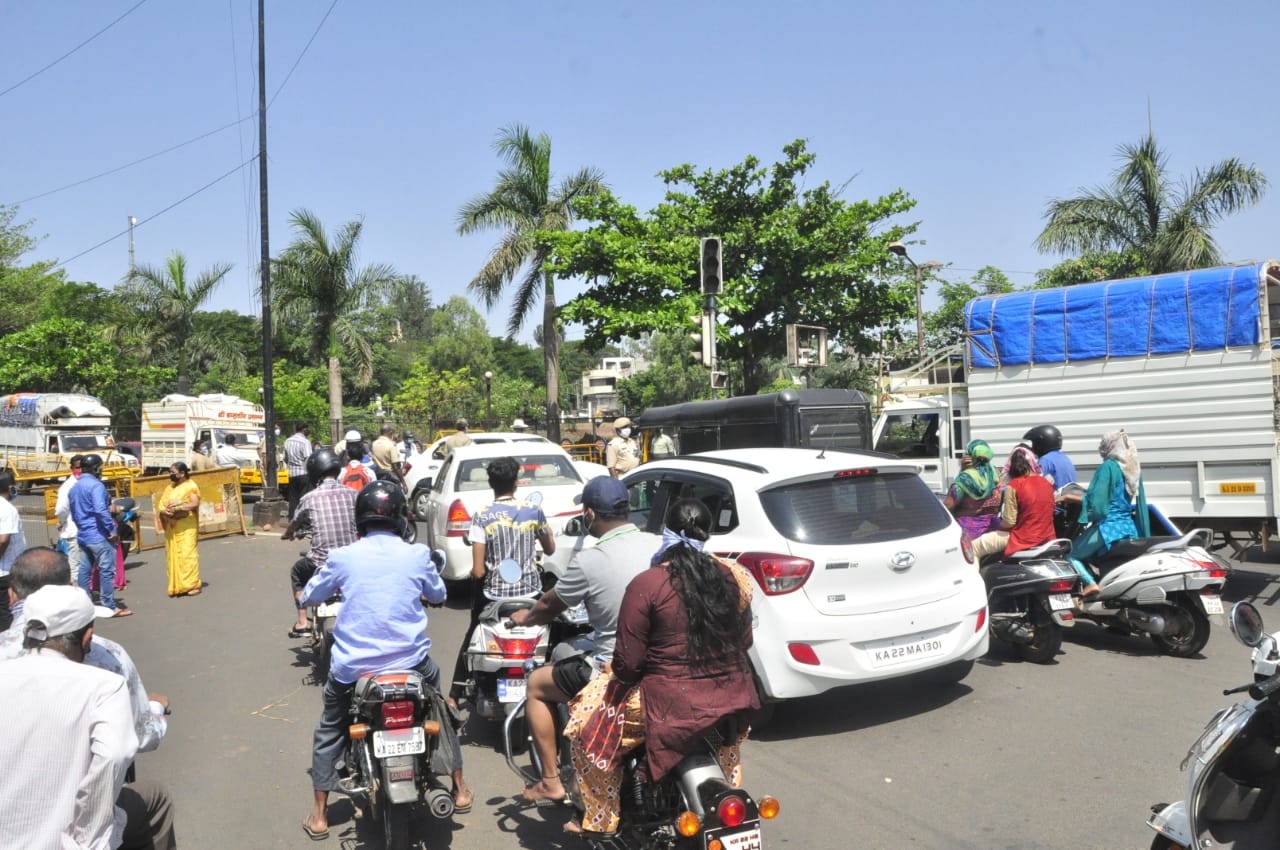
x=856, y=707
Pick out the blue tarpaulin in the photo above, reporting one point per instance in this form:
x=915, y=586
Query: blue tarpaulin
x=1202, y=310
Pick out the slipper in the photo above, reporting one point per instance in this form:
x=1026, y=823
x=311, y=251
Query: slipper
x=531, y=796
x=314, y=834
x=195, y=592
x=122, y=612
x=573, y=828
x=463, y=808
x=295, y=632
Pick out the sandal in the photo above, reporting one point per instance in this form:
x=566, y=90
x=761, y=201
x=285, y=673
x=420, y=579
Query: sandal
x=295, y=632
x=573, y=828
x=531, y=795
x=463, y=808
x=314, y=834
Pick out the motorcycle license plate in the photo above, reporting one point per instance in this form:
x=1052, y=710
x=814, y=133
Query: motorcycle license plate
x=510, y=690
x=1059, y=601
x=328, y=609
x=399, y=742
x=744, y=839
x=1212, y=603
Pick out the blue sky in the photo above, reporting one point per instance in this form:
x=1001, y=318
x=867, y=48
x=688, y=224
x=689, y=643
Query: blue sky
x=981, y=111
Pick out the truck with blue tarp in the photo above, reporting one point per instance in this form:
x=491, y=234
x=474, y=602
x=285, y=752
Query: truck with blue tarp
x=1186, y=363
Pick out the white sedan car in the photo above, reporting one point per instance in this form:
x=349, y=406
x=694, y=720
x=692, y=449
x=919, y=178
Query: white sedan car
x=861, y=573
x=421, y=469
x=461, y=488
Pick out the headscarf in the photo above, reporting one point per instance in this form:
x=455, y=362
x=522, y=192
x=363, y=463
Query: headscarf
x=1028, y=455
x=979, y=480
x=673, y=538
x=1117, y=446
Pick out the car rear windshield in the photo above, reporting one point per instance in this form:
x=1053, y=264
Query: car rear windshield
x=859, y=509
x=535, y=471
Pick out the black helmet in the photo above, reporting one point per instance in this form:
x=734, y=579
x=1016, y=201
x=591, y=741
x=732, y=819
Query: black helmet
x=381, y=502
x=322, y=463
x=1044, y=439
x=91, y=464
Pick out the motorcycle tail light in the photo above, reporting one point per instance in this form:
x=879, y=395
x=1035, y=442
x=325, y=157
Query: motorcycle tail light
x=397, y=714
x=732, y=811
x=1062, y=585
x=458, y=522
x=521, y=648
x=769, y=807
x=688, y=824
x=513, y=673
x=358, y=731
x=777, y=574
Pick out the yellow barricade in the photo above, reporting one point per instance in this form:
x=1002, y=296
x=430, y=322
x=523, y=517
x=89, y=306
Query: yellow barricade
x=221, y=504
x=54, y=468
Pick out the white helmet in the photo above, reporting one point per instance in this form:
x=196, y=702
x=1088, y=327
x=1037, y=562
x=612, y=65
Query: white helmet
x=352, y=436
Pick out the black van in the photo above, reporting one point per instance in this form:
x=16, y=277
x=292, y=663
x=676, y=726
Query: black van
x=830, y=419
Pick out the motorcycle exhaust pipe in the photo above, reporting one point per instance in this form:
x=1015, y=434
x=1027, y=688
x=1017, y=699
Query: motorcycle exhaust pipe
x=1150, y=623
x=1012, y=631
x=440, y=802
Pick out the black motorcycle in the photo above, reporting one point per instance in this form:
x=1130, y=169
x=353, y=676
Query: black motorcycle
x=1029, y=599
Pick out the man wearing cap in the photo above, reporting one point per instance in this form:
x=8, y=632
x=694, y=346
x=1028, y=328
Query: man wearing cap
x=69, y=739
x=457, y=439
x=622, y=455
x=96, y=531
x=597, y=577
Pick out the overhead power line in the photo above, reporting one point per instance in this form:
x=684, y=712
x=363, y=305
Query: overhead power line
x=305, y=48
x=37, y=73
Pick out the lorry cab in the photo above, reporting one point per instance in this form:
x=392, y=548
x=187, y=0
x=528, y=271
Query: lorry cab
x=932, y=431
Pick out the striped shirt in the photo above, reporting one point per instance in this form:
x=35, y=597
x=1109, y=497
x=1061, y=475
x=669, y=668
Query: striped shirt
x=509, y=528
x=330, y=512
x=296, y=451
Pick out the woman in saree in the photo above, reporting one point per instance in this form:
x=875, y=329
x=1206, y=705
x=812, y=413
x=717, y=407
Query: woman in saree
x=178, y=519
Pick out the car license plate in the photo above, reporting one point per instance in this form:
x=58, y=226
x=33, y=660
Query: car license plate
x=1059, y=601
x=399, y=742
x=1212, y=603
x=904, y=650
x=510, y=690
x=747, y=839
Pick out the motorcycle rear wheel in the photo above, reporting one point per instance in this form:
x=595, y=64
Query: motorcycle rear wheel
x=1189, y=643
x=1047, y=641
x=395, y=826
x=1162, y=843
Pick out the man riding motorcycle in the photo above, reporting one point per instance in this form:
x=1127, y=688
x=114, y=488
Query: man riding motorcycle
x=329, y=511
x=383, y=627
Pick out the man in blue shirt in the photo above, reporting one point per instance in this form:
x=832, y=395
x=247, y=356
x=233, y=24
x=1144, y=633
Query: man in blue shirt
x=1046, y=442
x=96, y=532
x=383, y=627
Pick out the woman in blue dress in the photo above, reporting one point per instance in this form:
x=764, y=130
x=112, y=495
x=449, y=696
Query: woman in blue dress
x=1115, y=505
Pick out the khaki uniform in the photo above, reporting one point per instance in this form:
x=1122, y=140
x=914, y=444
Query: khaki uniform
x=621, y=456
x=199, y=462
x=456, y=441
x=386, y=454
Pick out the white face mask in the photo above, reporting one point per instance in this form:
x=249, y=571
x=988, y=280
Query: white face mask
x=625, y=432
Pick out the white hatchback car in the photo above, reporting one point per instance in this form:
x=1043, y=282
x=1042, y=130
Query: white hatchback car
x=421, y=469
x=861, y=573
x=461, y=488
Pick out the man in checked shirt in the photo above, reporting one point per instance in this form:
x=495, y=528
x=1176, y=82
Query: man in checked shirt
x=329, y=512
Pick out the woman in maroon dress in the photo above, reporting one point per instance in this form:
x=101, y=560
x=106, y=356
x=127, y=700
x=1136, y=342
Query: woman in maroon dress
x=680, y=666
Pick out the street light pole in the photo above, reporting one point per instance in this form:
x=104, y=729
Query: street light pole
x=901, y=250
x=488, y=399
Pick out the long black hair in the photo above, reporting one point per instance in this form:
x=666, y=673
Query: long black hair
x=719, y=626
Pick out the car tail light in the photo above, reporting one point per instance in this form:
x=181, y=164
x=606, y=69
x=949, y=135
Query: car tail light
x=516, y=647
x=966, y=547
x=459, y=521
x=803, y=653
x=397, y=714
x=982, y=621
x=854, y=473
x=777, y=574
x=1062, y=585
x=732, y=811
x=404, y=469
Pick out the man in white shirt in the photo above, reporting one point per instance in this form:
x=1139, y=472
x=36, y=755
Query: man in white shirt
x=226, y=454
x=69, y=740
x=62, y=509
x=12, y=541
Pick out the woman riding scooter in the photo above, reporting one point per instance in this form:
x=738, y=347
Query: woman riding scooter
x=1115, y=505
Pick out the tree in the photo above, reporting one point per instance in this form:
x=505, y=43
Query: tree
x=165, y=302
x=1167, y=226
x=459, y=338
x=317, y=282
x=944, y=327
x=790, y=254
x=1092, y=267
x=67, y=355
x=522, y=203
x=672, y=377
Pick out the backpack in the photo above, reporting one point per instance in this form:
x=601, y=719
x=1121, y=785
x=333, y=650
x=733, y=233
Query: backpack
x=356, y=477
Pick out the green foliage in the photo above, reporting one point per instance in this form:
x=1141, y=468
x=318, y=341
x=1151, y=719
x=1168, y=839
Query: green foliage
x=944, y=327
x=429, y=395
x=672, y=377
x=1167, y=225
x=459, y=338
x=298, y=392
x=791, y=255
x=1092, y=267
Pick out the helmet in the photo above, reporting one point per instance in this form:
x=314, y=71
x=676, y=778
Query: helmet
x=408, y=435
x=323, y=462
x=352, y=436
x=91, y=464
x=381, y=502
x=1044, y=439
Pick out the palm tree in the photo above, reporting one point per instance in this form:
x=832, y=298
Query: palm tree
x=165, y=304
x=1141, y=211
x=521, y=203
x=316, y=280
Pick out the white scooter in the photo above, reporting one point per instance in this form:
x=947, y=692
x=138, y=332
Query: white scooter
x=1235, y=763
x=498, y=652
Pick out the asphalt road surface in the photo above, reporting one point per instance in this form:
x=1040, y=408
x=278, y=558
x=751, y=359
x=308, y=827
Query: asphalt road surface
x=1067, y=755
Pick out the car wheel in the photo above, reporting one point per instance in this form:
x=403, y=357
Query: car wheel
x=421, y=501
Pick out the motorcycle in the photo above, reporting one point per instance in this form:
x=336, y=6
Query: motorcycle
x=1165, y=587
x=692, y=806
x=1029, y=597
x=1234, y=764
x=395, y=757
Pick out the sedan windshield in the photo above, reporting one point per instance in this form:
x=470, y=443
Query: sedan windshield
x=535, y=471
x=857, y=509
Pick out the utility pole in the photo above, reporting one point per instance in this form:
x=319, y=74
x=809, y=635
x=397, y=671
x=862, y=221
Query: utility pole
x=132, y=222
x=270, y=475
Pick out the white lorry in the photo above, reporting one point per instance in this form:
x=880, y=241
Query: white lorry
x=171, y=427
x=39, y=432
x=1187, y=364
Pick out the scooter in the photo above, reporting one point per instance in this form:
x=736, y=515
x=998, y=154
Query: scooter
x=1029, y=597
x=1234, y=764
x=498, y=652
x=1165, y=587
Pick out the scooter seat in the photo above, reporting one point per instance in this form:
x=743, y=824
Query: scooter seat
x=500, y=609
x=1126, y=550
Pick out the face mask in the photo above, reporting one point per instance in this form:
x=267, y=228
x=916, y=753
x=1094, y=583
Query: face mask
x=625, y=432
x=204, y=450
x=75, y=473
x=277, y=432
x=13, y=492
x=173, y=476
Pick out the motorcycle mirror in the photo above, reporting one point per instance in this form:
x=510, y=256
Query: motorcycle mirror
x=575, y=527
x=125, y=503
x=510, y=571
x=438, y=558
x=1246, y=624
x=534, y=498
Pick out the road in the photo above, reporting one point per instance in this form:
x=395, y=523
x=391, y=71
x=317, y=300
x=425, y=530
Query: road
x=1068, y=755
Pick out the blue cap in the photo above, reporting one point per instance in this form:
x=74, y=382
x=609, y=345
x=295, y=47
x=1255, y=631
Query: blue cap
x=606, y=495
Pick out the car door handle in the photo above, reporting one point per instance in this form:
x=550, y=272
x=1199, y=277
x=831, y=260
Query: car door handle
x=930, y=467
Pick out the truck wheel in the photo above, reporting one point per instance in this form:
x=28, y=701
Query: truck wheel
x=1193, y=629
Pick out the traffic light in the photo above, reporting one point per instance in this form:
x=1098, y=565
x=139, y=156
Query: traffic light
x=712, y=265
x=704, y=339
x=719, y=380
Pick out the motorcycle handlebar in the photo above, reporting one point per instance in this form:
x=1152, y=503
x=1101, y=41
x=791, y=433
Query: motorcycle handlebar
x=1265, y=688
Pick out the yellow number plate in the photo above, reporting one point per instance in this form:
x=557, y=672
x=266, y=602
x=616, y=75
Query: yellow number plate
x=1237, y=488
